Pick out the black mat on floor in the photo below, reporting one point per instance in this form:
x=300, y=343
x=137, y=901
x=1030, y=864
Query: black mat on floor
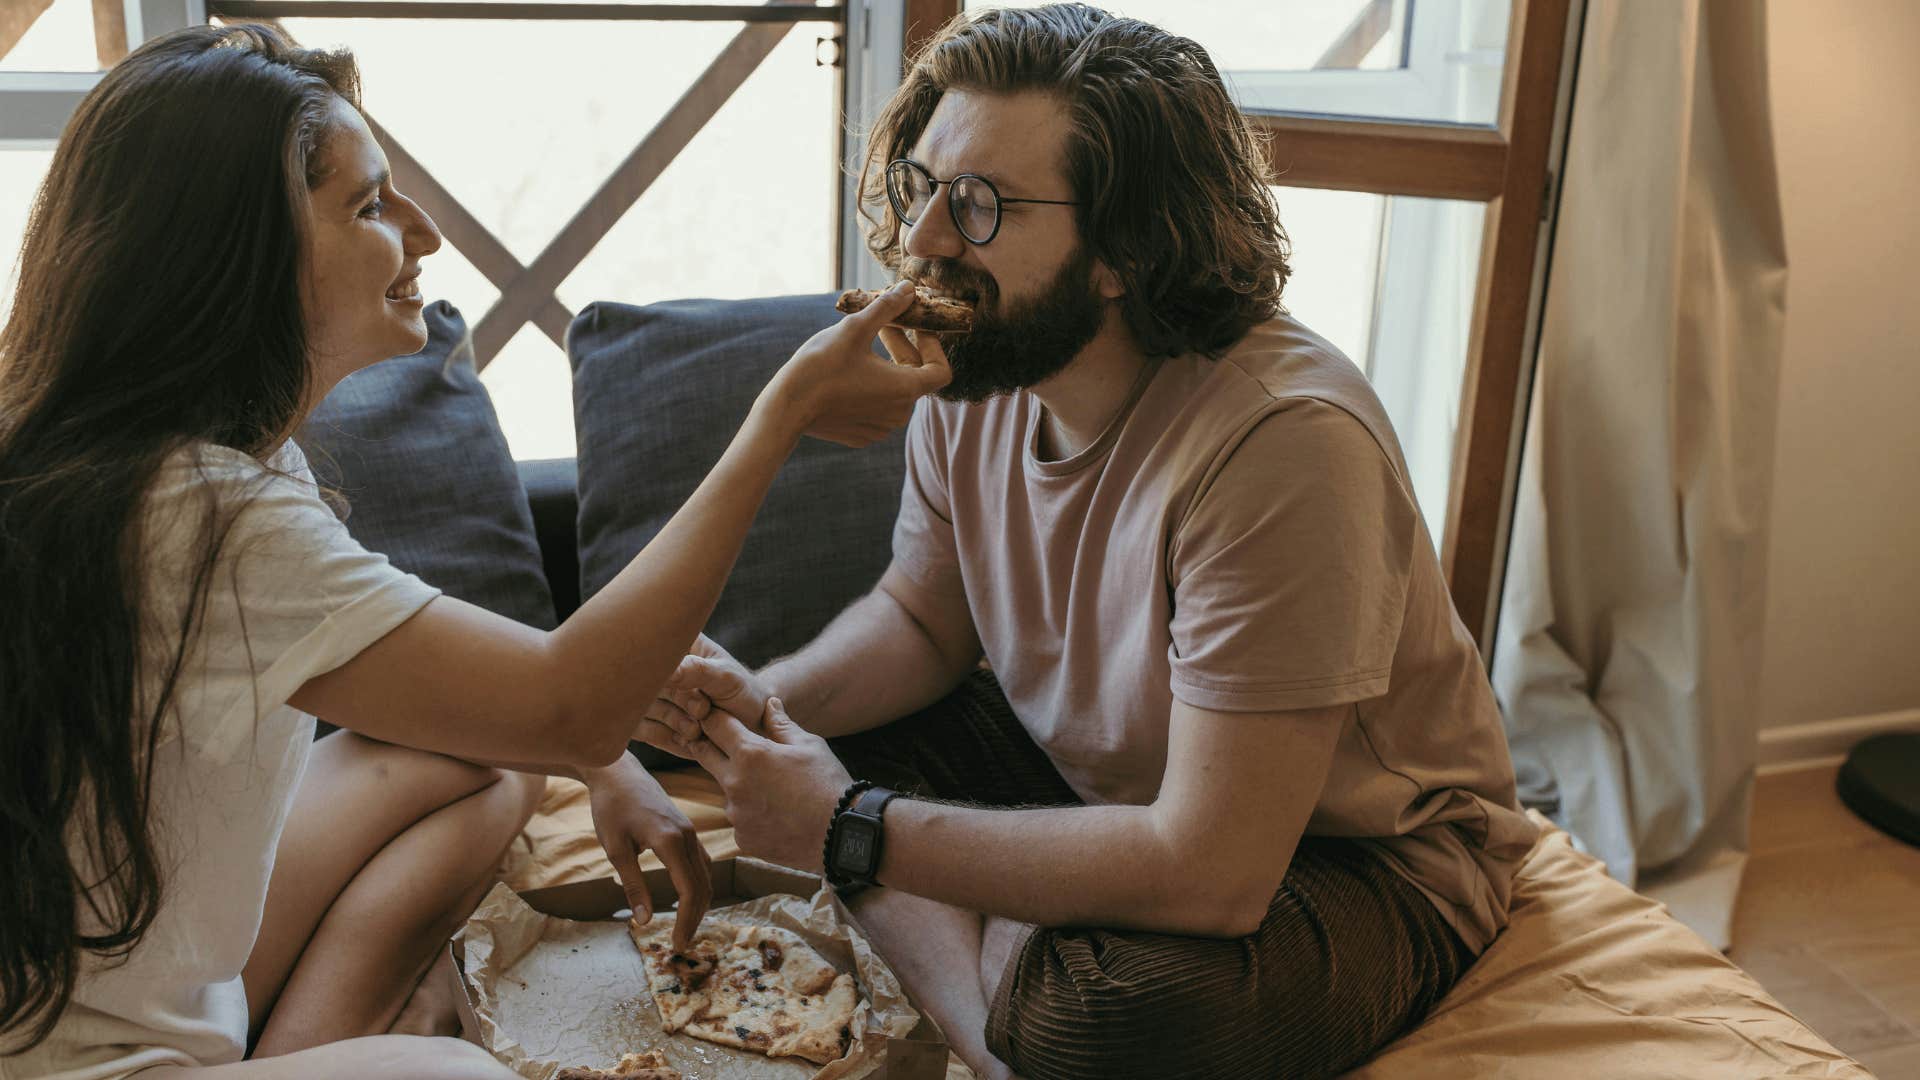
x=1881, y=782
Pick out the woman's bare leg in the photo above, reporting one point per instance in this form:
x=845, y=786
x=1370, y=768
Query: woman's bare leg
x=379, y=1057
x=385, y=853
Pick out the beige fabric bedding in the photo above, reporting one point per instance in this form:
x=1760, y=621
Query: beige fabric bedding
x=559, y=846
x=1590, y=979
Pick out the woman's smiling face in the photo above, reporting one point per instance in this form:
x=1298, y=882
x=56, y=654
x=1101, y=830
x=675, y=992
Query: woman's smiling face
x=365, y=241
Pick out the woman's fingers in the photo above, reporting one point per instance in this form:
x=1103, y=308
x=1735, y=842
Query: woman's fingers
x=692, y=875
x=899, y=346
x=626, y=867
x=658, y=735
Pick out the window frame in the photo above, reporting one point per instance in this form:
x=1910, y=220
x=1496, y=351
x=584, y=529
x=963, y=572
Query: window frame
x=35, y=105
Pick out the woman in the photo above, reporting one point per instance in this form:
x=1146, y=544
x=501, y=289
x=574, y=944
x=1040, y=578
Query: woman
x=217, y=244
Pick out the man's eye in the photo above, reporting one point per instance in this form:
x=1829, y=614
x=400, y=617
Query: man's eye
x=373, y=209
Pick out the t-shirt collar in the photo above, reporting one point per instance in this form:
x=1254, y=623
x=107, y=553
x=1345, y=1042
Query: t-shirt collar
x=1094, y=450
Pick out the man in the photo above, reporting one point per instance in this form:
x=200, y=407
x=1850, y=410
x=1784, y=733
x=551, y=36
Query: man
x=1234, y=800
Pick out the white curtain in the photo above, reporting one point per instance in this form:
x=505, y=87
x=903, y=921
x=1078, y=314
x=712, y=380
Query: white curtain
x=1629, y=644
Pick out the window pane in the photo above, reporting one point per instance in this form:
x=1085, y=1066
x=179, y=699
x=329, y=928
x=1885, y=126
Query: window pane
x=1390, y=281
x=59, y=38
x=746, y=209
x=1335, y=236
x=1272, y=35
x=599, y=22
x=20, y=174
x=521, y=121
x=532, y=390
x=1431, y=60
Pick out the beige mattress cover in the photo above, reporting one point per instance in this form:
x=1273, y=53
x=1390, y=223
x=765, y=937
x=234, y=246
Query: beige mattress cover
x=1590, y=979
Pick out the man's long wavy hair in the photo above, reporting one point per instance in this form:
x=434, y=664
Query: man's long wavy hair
x=1171, y=180
x=158, y=308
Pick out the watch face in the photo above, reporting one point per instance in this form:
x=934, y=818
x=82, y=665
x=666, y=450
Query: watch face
x=856, y=846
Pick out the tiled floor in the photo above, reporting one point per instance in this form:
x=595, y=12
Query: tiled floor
x=1829, y=921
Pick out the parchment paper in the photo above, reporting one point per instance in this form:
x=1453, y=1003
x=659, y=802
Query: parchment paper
x=552, y=992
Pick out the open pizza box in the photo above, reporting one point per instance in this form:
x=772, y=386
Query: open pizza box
x=550, y=978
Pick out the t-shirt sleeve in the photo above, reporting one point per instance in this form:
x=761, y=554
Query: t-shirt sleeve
x=1290, y=570
x=297, y=596
x=924, y=546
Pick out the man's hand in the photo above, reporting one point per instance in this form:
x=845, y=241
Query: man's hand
x=631, y=814
x=781, y=787
x=707, y=678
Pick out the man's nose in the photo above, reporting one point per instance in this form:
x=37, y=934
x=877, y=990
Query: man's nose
x=935, y=235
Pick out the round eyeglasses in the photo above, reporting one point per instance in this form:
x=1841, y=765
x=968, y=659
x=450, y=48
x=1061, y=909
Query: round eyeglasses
x=972, y=200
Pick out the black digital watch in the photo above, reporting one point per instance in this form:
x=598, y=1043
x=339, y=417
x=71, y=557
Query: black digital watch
x=855, y=835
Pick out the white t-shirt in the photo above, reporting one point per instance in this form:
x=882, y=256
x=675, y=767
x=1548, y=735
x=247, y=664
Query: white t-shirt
x=294, y=596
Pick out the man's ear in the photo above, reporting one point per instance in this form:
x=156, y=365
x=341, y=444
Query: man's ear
x=1108, y=282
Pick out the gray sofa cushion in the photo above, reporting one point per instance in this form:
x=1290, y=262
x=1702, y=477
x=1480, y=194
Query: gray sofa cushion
x=414, y=447
x=658, y=392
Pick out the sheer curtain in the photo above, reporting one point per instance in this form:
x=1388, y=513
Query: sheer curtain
x=1629, y=645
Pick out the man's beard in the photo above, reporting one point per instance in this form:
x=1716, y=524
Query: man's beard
x=1026, y=343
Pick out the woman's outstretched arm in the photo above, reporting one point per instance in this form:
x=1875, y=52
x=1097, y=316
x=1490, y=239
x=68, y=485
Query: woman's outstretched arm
x=458, y=679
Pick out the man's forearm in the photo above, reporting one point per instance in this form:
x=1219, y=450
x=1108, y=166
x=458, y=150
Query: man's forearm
x=1110, y=866
x=872, y=665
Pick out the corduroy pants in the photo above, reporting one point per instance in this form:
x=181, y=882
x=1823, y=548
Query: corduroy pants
x=1349, y=957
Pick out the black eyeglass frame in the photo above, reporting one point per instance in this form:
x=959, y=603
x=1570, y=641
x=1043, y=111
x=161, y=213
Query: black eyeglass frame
x=894, y=199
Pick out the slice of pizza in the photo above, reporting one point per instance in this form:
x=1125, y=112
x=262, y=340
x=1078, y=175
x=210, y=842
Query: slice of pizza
x=651, y=1065
x=766, y=991
x=681, y=980
x=929, y=310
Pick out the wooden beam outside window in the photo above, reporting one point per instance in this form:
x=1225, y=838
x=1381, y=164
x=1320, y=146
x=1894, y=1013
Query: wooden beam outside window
x=109, y=32
x=16, y=18
x=524, y=297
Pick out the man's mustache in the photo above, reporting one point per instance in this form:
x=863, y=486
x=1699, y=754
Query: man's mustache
x=949, y=277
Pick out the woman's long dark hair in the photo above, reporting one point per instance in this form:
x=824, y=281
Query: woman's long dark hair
x=158, y=308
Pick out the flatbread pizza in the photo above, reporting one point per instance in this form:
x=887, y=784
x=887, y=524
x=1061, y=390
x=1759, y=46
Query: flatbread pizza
x=758, y=988
x=929, y=310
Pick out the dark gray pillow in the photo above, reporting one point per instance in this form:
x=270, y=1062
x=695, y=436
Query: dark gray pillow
x=414, y=447
x=658, y=392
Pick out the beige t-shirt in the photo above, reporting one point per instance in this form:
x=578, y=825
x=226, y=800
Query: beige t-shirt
x=1242, y=537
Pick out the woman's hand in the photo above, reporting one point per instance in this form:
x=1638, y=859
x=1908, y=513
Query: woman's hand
x=633, y=813
x=708, y=678
x=837, y=390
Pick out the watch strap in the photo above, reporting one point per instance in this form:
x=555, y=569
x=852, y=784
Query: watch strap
x=872, y=801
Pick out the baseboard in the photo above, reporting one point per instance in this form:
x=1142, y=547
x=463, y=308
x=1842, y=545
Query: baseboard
x=1798, y=746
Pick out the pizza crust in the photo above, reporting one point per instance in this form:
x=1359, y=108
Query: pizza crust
x=758, y=988
x=929, y=311
x=651, y=1065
